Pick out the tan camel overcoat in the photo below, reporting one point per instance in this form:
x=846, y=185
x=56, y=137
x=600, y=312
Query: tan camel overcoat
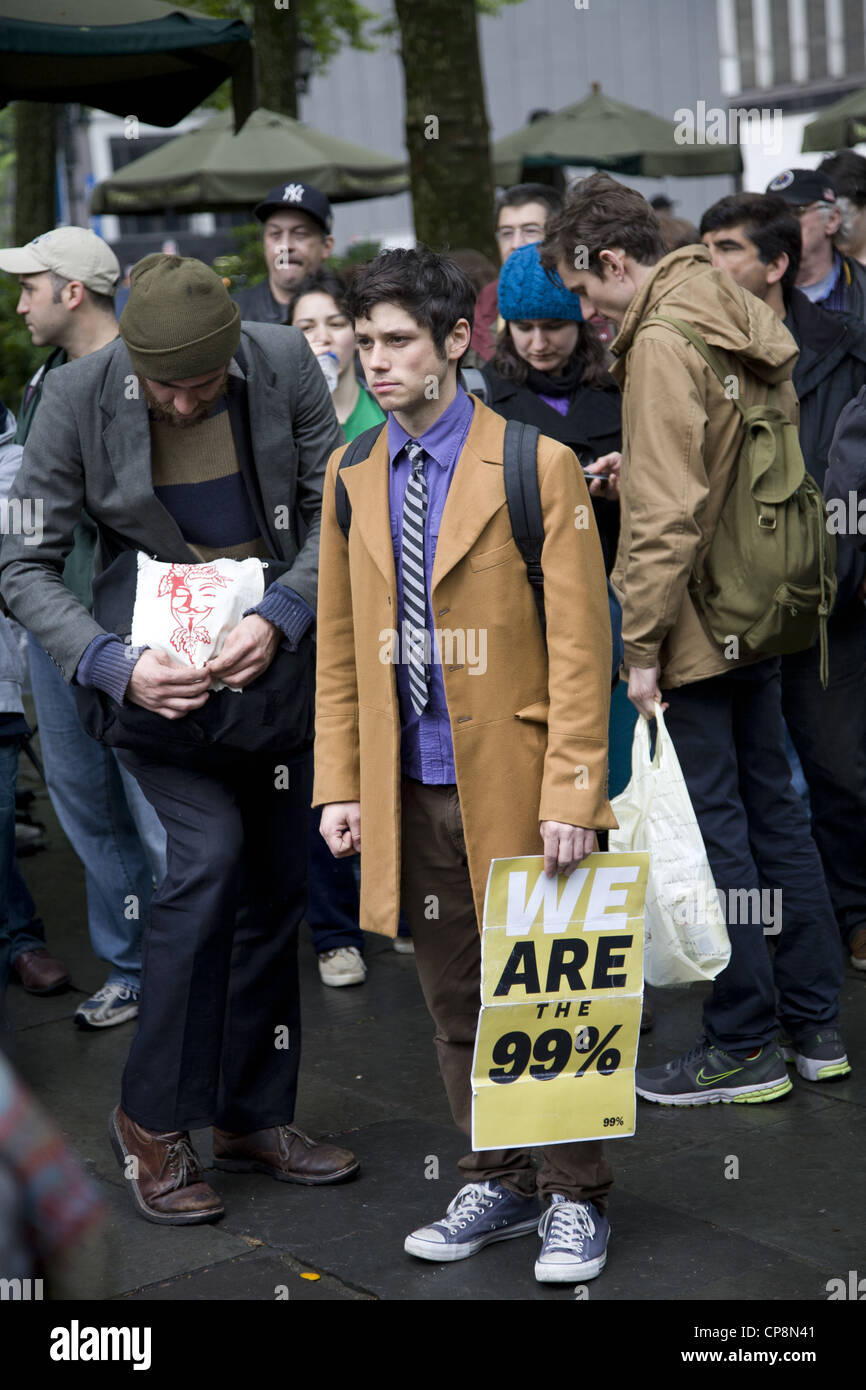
x=529, y=724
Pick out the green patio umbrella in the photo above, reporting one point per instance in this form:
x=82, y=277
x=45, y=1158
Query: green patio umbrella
x=840, y=125
x=608, y=134
x=212, y=169
x=129, y=57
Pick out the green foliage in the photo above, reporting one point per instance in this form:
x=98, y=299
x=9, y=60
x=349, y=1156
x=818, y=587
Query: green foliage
x=330, y=24
x=245, y=266
x=327, y=24
x=7, y=174
x=359, y=253
x=19, y=359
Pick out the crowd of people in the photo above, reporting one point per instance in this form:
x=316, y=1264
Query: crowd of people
x=349, y=434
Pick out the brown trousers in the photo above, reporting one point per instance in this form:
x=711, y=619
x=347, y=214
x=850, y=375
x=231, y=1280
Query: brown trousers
x=448, y=956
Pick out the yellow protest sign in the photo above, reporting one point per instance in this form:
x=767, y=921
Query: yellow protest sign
x=561, y=992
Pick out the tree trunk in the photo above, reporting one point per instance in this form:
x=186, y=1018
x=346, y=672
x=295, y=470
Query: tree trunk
x=447, y=133
x=275, y=34
x=35, y=168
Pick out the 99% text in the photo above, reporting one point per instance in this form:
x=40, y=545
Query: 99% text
x=552, y=1051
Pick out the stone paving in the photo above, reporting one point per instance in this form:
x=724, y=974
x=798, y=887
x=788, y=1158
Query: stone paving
x=681, y=1230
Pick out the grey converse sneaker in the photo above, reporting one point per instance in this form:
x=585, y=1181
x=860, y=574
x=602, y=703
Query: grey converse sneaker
x=480, y=1213
x=114, y=1003
x=575, y=1242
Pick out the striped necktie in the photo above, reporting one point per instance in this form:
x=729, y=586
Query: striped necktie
x=414, y=577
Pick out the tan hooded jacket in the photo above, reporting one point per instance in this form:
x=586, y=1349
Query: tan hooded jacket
x=681, y=439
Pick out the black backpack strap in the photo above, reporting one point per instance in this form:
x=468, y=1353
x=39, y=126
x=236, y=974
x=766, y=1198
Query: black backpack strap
x=523, y=496
x=475, y=381
x=359, y=449
x=520, y=469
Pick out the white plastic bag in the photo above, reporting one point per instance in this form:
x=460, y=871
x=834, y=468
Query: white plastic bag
x=684, y=926
x=189, y=610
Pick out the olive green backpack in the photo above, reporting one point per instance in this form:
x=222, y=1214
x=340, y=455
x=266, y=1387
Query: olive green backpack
x=768, y=577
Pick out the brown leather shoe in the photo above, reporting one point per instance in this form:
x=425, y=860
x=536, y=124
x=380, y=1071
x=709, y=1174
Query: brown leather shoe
x=40, y=972
x=168, y=1187
x=285, y=1153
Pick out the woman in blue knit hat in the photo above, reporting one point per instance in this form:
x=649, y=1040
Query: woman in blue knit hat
x=551, y=370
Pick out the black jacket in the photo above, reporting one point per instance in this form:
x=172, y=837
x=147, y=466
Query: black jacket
x=846, y=471
x=855, y=292
x=259, y=306
x=592, y=427
x=830, y=371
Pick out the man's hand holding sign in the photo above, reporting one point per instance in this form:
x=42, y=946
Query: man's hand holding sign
x=561, y=997
x=564, y=846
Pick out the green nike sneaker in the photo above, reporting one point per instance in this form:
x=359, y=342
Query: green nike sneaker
x=707, y=1075
x=819, y=1055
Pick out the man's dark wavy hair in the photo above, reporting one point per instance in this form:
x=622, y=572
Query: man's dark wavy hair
x=767, y=221
x=431, y=288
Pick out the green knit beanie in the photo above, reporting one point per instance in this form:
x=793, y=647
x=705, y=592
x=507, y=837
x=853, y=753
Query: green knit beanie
x=178, y=321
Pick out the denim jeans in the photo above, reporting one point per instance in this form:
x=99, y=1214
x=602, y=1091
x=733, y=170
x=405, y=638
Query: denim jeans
x=730, y=741
x=91, y=803
x=332, y=894
x=20, y=928
x=828, y=729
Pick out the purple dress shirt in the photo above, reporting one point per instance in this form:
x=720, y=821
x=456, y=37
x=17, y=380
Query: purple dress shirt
x=427, y=752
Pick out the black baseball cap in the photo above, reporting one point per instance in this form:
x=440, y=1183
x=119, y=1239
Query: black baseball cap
x=803, y=186
x=299, y=196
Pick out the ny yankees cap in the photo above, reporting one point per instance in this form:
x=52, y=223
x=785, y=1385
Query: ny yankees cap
x=73, y=252
x=803, y=186
x=298, y=197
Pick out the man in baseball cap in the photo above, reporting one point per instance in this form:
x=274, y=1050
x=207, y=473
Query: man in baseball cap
x=826, y=276
x=296, y=233
x=75, y=253
x=67, y=278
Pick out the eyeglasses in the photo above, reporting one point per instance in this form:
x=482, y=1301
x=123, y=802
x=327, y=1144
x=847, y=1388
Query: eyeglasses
x=800, y=209
x=532, y=230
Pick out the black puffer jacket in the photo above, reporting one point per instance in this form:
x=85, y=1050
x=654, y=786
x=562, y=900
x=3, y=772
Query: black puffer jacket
x=830, y=371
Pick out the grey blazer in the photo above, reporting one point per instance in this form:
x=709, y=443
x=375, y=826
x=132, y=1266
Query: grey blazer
x=90, y=447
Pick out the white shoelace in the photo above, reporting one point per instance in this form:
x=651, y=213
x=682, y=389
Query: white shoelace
x=571, y=1222
x=109, y=992
x=471, y=1201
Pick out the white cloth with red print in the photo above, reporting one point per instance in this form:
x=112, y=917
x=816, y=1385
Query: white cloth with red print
x=188, y=611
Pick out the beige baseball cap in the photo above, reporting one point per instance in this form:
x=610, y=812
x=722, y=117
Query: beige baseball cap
x=73, y=252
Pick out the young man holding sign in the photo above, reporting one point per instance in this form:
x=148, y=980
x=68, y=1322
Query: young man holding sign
x=446, y=725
